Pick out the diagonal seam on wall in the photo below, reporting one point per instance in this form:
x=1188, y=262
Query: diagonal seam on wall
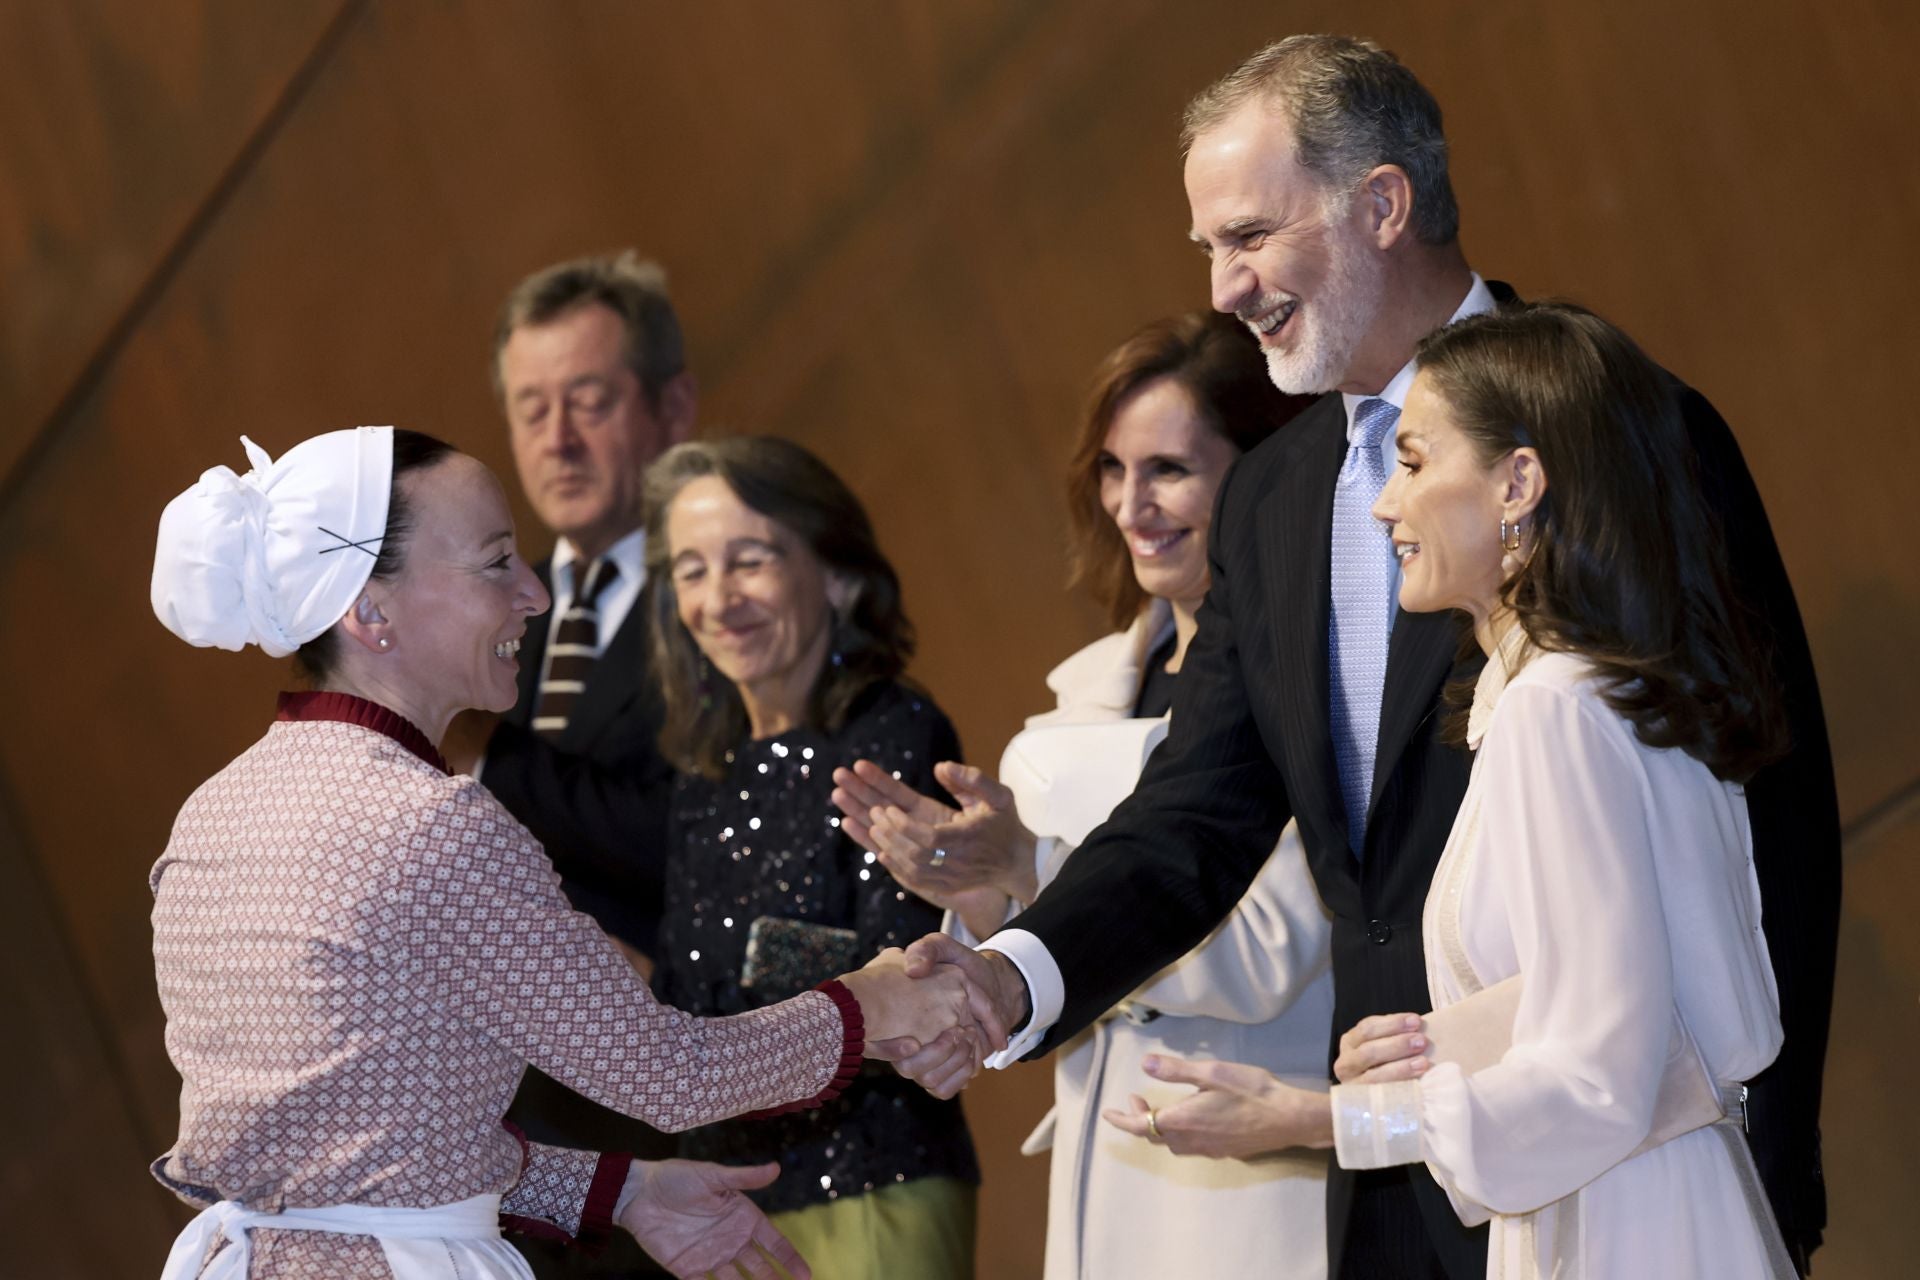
x=1886, y=813
x=100, y=360
x=173, y=257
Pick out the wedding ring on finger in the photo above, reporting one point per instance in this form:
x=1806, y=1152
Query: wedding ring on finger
x=938, y=859
x=1153, y=1127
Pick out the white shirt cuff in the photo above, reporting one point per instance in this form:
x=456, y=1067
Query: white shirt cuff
x=1046, y=991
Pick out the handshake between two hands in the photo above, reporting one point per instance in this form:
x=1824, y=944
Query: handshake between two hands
x=937, y=1009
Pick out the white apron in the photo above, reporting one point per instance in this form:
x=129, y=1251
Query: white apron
x=459, y=1241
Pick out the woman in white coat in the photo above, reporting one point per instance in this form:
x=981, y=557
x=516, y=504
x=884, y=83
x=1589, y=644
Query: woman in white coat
x=1171, y=410
x=1599, y=979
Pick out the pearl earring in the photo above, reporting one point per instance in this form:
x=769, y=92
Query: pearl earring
x=384, y=642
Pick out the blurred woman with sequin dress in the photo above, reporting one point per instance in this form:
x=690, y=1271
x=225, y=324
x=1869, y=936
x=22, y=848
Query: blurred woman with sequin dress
x=780, y=640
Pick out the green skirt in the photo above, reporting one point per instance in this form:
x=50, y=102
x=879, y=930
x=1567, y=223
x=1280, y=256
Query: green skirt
x=922, y=1228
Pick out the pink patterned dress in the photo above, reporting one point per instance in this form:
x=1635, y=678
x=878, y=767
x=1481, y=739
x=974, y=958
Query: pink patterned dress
x=359, y=955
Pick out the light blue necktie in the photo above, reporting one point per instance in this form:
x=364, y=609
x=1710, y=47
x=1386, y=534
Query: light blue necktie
x=1357, y=632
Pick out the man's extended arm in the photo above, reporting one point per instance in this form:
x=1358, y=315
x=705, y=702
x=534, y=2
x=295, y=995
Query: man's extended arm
x=1174, y=858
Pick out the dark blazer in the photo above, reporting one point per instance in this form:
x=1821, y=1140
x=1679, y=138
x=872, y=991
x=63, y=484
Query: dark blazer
x=598, y=798
x=1250, y=747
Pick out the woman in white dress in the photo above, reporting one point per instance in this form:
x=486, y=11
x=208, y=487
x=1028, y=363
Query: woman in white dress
x=1602, y=855
x=1172, y=408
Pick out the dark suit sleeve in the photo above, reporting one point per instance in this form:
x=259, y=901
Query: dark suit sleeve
x=1177, y=855
x=603, y=825
x=1796, y=846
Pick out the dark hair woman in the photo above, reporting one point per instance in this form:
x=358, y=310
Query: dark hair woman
x=780, y=642
x=359, y=955
x=1171, y=409
x=1593, y=925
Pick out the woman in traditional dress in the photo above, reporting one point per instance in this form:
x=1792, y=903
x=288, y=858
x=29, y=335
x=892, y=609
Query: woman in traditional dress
x=779, y=635
x=1171, y=409
x=1601, y=863
x=359, y=954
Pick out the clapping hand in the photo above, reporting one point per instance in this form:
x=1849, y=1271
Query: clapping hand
x=692, y=1219
x=936, y=851
x=1236, y=1111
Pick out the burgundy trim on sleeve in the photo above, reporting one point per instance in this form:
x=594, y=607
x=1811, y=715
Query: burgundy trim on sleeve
x=596, y=1216
x=536, y=1228
x=853, y=1047
x=326, y=704
x=603, y=1194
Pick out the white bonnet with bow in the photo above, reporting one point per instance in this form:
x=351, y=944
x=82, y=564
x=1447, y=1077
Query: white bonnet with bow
x=278, y=555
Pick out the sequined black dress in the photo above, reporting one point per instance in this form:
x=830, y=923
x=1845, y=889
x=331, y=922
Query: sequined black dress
x=766, y=841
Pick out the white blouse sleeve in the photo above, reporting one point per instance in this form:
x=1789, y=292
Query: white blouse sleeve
x=1564, y=849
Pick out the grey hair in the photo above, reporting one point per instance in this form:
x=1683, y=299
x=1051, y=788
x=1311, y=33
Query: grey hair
x=632, y=287
x=1353, y=107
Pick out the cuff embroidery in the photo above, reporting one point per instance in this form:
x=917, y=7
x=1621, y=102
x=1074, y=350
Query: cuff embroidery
x=1376, y=1125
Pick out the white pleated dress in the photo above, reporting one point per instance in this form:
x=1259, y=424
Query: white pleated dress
x=1619, y=880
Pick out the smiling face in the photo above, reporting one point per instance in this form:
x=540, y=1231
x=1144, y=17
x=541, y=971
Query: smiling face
x=1445, y=505
x=582, y=429
x=755, y=598
x=460, y=603
x=1159, y=471
x=1292, y=260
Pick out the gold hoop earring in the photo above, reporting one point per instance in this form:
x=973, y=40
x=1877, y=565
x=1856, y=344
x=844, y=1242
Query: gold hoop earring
x=1509, y=543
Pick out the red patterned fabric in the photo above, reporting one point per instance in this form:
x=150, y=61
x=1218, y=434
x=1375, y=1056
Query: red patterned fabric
x=358, y=955
x=853, y=1027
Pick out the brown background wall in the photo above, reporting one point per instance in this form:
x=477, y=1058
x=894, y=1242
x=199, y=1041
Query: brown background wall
x=902, y=234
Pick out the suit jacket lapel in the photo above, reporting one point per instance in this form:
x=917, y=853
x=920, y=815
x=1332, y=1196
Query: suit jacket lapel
x=1420, y=653
x=1296, y=524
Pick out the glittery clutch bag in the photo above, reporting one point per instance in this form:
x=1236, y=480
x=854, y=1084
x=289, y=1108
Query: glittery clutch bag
x=786, y=957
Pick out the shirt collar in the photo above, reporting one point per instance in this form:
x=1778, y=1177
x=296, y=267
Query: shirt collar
x=1479, y=299
x=629, y=555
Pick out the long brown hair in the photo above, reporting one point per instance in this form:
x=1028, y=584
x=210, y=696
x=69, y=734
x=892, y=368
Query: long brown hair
x=1219, y=363
x=1628, y=566
x=872, y=639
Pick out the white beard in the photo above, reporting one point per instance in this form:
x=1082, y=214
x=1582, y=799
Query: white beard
x=1334, y=323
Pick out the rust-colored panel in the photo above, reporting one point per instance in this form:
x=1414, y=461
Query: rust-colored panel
x=64, y=1107
x=116, y=121
x=904, y=235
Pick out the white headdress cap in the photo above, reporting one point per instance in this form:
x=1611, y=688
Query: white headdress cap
x=278, y=555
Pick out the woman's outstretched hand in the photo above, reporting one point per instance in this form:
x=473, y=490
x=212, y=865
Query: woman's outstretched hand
x=1235, y=1112
x=692, y=1219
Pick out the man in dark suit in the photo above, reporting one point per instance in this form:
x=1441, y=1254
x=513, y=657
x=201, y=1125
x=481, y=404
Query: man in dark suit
x=590, y=366
x=1318, y=183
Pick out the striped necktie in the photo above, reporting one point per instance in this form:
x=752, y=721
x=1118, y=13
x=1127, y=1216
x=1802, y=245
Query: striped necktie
x=572, y=650
x=1363, y=569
